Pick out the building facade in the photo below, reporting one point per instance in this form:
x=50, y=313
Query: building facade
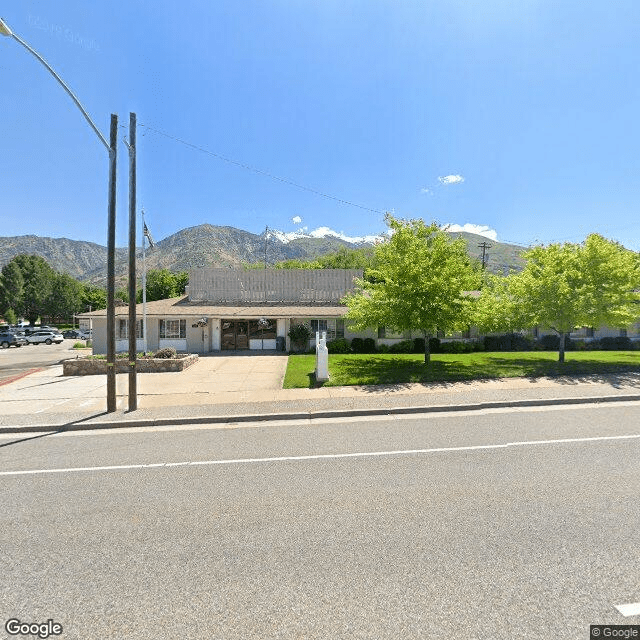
x=253, y=310
x=236, y=310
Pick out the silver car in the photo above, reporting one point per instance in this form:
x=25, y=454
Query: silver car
x=48, y=337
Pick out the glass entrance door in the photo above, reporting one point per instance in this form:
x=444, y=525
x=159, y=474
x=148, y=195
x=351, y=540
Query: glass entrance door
x=235, y=335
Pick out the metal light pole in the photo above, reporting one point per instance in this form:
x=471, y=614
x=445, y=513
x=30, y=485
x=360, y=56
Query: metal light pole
x=111, y=147
x=133, y=390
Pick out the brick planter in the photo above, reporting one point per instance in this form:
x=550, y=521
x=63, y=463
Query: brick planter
x=90, y=367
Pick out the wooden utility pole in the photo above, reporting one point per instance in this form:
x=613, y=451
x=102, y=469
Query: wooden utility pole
x=484, y=246
x=111, y=270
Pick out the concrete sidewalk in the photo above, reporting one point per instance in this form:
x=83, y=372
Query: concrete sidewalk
x=250, y=388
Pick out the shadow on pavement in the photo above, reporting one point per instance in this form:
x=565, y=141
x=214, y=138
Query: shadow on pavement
x=60, y=429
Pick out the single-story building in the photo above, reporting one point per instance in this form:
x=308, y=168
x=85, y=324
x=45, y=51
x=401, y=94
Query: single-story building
x=232, y=310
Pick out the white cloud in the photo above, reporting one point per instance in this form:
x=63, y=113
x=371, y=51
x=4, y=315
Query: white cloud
x=427, y=191
x=453, y=179
x=296, y=219
x=478, y=229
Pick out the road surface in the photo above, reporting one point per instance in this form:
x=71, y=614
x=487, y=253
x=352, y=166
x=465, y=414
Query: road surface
x=16, y=361
x=494, y=524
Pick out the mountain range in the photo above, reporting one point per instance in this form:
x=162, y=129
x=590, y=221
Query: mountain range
x=207, y=245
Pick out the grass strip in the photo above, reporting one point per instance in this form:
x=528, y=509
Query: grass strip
x=388, y=368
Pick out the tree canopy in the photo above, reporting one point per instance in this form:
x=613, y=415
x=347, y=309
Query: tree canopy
x=564, y=286
x=30, y=288
x=163, y=284
x=420, y=281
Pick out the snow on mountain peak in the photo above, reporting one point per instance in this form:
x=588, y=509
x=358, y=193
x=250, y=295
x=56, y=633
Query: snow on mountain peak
x=321, y=232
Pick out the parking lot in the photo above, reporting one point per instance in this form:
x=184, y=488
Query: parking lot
x=15, y=361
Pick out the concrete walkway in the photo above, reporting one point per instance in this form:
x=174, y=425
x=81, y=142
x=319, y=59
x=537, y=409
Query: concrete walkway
x=239, y=387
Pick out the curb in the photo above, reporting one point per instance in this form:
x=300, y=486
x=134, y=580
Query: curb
x=314, y=415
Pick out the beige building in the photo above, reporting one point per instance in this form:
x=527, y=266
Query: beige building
x=231, y=310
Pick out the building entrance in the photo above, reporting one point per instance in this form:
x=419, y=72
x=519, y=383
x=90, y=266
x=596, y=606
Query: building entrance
x=235, y=335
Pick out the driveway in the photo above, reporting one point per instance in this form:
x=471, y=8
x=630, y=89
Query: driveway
x=211, y=380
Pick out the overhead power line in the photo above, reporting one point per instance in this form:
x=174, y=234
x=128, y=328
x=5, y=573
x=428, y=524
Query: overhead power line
x=261, y=172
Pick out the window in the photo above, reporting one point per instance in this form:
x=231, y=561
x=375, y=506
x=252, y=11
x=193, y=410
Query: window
x=333, y=326
x=318, y=325
x=122, y=332
x=173, y=329
x=262, y=329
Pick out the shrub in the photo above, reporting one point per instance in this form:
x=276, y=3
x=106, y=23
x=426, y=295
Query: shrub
x=167, y=352
x=369, y=345
x=357, y=345
x=299, y=333
x=551, y=342
x=434, y=345
x=338, y=346
x=511, y=342
x=618, y=343
x=405, y=346
x=383, y=348
x=456, y=346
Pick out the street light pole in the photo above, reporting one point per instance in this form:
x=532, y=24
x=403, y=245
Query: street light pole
x=133, y=388
x=111, y=233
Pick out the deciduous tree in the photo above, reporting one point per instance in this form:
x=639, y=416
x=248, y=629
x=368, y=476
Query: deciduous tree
x=420, y=281
x=564, y=286
x=11, y=288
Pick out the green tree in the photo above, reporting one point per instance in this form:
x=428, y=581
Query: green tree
x=161, y=284
x=11, y=287
x=94, y=297
x=564, y=286
x=122, y=294
x=420, y=281
x=182, y=280
x=39, y=279
x=346, y=258
x=10, y=316
x=65, y=298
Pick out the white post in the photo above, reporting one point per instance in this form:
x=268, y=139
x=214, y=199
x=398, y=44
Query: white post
x=322, y=357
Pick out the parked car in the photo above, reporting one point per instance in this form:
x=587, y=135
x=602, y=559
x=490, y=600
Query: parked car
x=9, y=339
x=46, y=327
x=77, y=334
x=47, y=337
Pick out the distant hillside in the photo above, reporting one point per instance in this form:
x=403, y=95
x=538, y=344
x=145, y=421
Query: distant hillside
x=213, y=246
x=75, y=257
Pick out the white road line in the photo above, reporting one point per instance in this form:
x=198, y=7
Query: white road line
x=325, y=456
x=627, y=610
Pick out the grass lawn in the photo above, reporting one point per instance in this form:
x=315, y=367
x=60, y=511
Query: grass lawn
x=389, y=368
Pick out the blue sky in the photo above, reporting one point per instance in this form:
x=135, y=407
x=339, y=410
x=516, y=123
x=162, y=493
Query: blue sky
x=517, y=116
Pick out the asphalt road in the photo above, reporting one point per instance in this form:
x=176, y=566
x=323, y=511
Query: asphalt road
x=482, y=525
x=14, y=361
